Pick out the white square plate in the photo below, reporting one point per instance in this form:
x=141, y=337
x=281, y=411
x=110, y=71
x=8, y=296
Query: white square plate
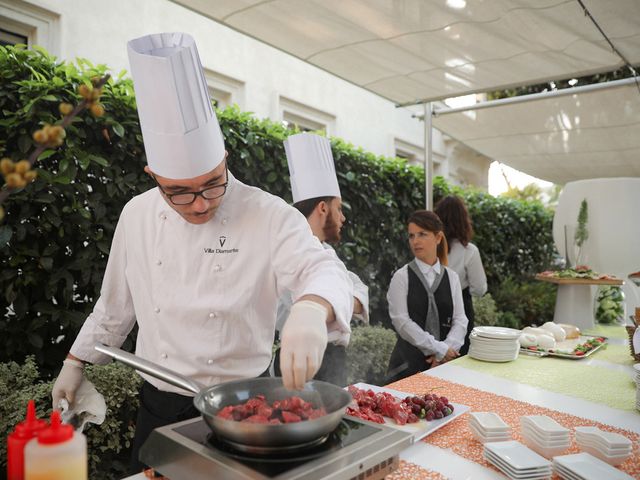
x=517, y=455
x=423, y=427
x=489, y=422
x=588, y=467
x=518, y=475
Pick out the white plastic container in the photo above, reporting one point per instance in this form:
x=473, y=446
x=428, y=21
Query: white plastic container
x=58, y=453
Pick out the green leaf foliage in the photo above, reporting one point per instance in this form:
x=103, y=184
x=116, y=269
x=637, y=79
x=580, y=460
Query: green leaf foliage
x=368, y=354
x=58, y=230
x=51, y=268
x=109, y=444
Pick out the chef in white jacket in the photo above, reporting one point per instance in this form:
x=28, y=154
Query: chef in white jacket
x=316, y=193
x=200, y=261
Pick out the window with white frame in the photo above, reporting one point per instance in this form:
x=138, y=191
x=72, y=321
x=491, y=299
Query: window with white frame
x=307, y=119
x=224, y=90
x=413, y=154
x=22, y=22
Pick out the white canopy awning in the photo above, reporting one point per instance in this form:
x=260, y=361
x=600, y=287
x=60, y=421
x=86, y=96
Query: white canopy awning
x=594, y=134
x=415, y=50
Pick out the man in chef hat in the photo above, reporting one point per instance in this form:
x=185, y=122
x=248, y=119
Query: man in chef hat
x=316, y=194
x=200, y=261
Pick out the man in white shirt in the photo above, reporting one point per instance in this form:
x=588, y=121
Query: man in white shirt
x=200, y=262
x=316, y=194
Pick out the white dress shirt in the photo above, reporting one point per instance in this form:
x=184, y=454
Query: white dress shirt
x=205, y=296
x=408, y=329
x=358, y=290
x=466, y=262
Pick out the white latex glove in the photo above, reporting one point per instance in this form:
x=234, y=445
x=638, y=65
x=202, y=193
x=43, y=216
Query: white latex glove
x=304, y=339
x=68, y=382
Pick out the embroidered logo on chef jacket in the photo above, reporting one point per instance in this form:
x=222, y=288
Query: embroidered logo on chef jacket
x=222, y=240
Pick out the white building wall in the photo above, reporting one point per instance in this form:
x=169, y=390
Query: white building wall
x=260, y=75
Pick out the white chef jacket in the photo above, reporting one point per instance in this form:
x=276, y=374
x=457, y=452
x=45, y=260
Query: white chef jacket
x=358, y=290
x=205, y=296
x=408, y=329
x=466, y=262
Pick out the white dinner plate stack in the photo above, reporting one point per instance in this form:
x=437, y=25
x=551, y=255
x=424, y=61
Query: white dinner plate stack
x=582, y=466
x=494, y=344
x=517, y=461
x=544, y=435
x=613, y=448
x=488, y=427
x=636, y=369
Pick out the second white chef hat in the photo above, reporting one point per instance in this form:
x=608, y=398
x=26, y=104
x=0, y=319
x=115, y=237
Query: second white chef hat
x=311, y=167
x=182, y=137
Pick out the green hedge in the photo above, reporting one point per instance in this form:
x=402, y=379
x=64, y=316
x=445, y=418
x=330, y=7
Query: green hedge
x=56, y=236
x=109, y=444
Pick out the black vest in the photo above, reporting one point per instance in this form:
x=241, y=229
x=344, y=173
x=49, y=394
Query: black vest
x=404, y=353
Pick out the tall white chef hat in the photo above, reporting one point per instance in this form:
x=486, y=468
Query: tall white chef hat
x=311, y=168
x=181, y=133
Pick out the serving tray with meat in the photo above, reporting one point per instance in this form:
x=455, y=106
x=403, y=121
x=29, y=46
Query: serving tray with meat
x=416, y=414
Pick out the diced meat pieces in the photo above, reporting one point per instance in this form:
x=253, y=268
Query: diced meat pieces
x=374, y=406
x=257, y=410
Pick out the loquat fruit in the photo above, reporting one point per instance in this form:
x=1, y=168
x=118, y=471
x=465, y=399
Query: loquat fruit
x=97, y=110
x=85, y=91
x=65, y=108
x=23, y=166
x=30, y=176
x=15, y=180
x=40, y=136
x=7, y=166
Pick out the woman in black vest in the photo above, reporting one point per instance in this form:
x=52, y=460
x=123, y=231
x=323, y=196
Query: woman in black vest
x=425, y=302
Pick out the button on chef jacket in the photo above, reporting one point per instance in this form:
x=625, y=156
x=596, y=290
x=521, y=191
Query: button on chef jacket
x=205, y=296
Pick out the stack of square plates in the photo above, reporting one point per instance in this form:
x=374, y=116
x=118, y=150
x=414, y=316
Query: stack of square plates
x=516, y=461
x=544, y=435
x=636, y=369
x=494, y=344
x=582, y=466
x=488, y=427
x=610, y=447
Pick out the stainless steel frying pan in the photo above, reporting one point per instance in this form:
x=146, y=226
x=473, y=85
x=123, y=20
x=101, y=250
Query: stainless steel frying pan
x=209, y=400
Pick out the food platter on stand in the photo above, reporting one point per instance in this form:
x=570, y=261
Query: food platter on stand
x=423, y=427
x=574, y=349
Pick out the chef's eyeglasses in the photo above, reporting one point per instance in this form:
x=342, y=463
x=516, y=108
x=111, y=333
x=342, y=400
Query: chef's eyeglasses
x=187, y=198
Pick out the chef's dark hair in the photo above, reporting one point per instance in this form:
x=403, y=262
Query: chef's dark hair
x=307, y=206
x=457, y=225
x=427, y=220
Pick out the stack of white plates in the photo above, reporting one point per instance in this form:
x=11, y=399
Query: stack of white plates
x=636, y=368
x=494, y=344
x=582, y=466
x=488, y=427
x=516, y=461
x=610, y=447
x=544, y=435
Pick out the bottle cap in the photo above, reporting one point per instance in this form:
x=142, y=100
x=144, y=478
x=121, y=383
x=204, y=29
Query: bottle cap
x=31, y=425
x=57, y=432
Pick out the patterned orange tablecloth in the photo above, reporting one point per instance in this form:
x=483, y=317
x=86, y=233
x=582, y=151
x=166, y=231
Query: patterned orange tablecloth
x=457, y=435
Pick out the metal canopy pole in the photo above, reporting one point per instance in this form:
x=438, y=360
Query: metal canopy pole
x=428, y=156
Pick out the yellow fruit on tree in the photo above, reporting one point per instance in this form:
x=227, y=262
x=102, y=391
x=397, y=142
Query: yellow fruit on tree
x=65, y=108
x=95, y=94
x=30, y=176
x=40, y=136
x=85, y=91
x=97, y=109
x=7, y=166
x=23, y=166
x=56, y=132
x=15, y=180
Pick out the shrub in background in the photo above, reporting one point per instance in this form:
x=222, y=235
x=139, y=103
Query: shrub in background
x=485, y=310
x=528, y=303
x=368, y=354
x=57, y=232
x=108, y=444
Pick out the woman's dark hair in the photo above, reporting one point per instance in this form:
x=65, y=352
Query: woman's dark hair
x=307, y=206
x=453, y=213
x=429, y=221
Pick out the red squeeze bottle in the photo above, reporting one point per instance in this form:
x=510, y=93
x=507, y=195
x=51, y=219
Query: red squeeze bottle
x=17, y=439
